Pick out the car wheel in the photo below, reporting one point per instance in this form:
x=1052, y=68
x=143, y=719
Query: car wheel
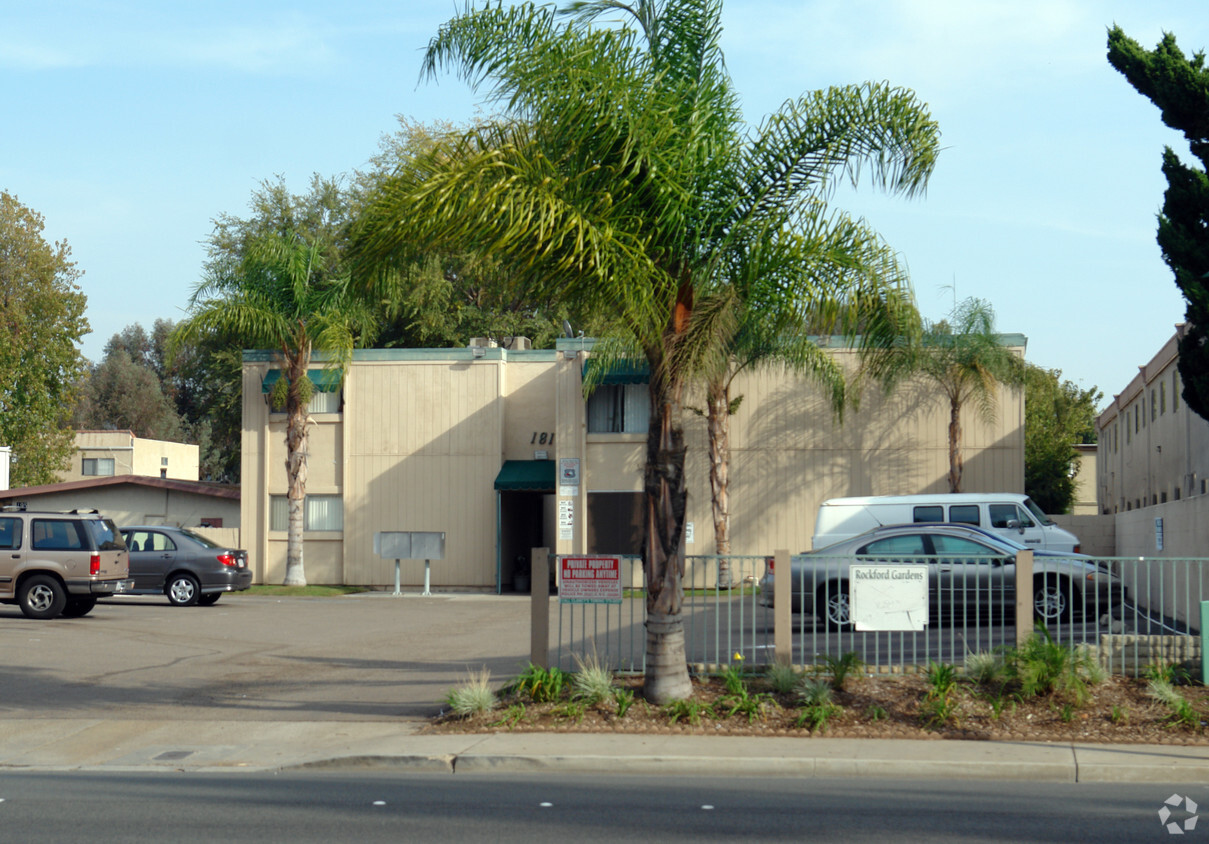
x=209, y=599
x=183, y=590
x=42, y=596
x=78, y=607
x=1051, y=599
x=837, y=610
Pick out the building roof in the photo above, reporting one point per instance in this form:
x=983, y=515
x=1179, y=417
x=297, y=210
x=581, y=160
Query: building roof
x=213, y=490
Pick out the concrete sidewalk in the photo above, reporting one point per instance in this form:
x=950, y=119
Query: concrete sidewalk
x=226, y=746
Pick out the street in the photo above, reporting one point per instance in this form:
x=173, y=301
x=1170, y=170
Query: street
x=374, y=806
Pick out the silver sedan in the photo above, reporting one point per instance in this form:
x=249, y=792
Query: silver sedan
x=971, y=573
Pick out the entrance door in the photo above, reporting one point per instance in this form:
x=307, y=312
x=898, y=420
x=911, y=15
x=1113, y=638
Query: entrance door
x=521, y=529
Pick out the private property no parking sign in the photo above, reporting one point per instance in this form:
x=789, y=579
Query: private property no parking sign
x=590, y=580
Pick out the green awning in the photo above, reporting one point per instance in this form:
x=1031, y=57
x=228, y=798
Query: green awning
x=325, y=380
x=526, y=476
x=621, y=372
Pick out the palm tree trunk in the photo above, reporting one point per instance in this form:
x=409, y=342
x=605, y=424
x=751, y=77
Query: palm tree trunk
x=718, y=424
x=296, y=473
x=956, y=466
x=665, y=498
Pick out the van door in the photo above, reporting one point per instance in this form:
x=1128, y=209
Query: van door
x=1017, y=523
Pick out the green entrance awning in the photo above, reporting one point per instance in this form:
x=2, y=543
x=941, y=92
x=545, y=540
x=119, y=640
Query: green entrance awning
x=325, y=380
x=621, y=372
x=526, y=476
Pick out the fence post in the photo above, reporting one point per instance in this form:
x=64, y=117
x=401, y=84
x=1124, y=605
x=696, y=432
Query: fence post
x=539, y=602
x=1024, y=597
x=782, y=608
x=1204, y=641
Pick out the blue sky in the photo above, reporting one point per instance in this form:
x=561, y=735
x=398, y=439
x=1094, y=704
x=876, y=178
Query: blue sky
x=130, y=125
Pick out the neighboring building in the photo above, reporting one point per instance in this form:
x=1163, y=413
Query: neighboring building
x=498, y=449
x=1085, y=481
x=106, y=454
x=137, y=500
x=1153, y=464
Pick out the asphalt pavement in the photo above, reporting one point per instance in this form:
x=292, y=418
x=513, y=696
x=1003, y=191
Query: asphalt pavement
x=147, y=700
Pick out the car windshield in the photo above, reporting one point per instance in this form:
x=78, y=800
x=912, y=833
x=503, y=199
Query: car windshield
x=1036, y=511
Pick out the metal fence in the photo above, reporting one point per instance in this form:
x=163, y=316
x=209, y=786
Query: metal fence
x=721, y=618
x=1133, y=612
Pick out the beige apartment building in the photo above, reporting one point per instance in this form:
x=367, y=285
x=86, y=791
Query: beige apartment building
x=101, y=454
x=499, y=450
x=1153, y=464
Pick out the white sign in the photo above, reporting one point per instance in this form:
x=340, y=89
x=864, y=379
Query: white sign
x=566, y=518
x=888, y=597
x=688, y=533
x=590, y=580
x=568, y=471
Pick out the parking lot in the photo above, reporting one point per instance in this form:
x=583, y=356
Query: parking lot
x=364, y=657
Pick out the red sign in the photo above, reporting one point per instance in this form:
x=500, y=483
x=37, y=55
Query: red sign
x=590, y=580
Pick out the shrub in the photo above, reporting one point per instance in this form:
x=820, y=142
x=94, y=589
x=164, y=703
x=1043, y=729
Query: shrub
x=473, y=696
x=783, y=678
x=593, y=682
x=839, y=667
x=817, y=707
x=540, y=685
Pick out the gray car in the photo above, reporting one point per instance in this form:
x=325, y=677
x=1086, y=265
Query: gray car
x=185, y=566
x=971, y=574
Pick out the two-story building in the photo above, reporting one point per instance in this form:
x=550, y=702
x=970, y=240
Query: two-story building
x=500, y=450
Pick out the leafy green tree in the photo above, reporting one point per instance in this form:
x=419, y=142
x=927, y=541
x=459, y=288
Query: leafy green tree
x=1057, y=414
x=191, y=396
x=440, y=299
x=964, y=357
x=1179, y=86
x=120, y=394
x=620, y=179
x=41, y=323
x=283, y=295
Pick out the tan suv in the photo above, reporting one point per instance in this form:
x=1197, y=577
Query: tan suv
x=55, y=564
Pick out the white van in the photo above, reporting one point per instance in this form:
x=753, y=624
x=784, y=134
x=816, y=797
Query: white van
x=1008, y=513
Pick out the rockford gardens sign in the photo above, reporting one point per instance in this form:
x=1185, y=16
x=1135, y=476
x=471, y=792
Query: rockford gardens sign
x=889, y=597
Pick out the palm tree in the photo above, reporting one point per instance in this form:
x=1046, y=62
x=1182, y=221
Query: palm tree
x=620, y=178
x=284, y=293
x=966, y=358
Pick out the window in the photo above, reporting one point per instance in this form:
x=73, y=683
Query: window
x=966, y=514
x=163, y=461
x=10, y=533
x=1162, y=397
x=321, y=512
x=928, y=514
x=56, y=535
x=619, y=409
x=950, y=546
x=1175, y=391
x=912, y=545
x=1154, y=404
x=97, y=466
x=323, y=402
x=1002, y=514
x=145, y=540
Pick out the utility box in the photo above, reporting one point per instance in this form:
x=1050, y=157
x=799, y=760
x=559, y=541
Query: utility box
x=426, y=545
x=410, y=544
